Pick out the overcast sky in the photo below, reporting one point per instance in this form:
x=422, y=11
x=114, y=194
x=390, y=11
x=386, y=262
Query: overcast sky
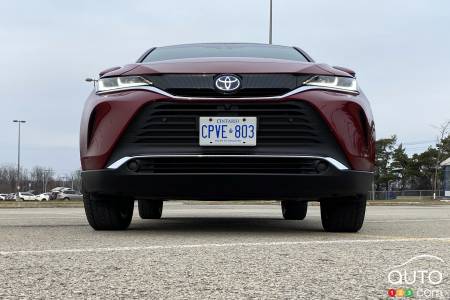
x=399, y=49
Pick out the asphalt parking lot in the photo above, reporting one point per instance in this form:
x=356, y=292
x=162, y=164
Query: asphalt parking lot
x=217, y=251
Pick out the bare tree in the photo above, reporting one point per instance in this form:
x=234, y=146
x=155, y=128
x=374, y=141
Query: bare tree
x=8, y=177
x=36, y=179
x=443, y=133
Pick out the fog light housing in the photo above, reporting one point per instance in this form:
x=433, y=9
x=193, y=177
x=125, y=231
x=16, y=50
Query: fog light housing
x=321, y=166
x=133, y=165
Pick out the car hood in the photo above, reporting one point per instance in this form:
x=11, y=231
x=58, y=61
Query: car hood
x=223, y=65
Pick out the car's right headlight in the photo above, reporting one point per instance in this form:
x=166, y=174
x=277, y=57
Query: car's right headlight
x=334, y=82
x=114, y=83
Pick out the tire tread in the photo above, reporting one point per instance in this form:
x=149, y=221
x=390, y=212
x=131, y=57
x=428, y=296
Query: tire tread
x=150, y=209
x=343, y=214
x=294, y=210
x=108, y=214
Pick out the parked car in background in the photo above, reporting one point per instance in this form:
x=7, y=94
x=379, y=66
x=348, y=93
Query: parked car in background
x=11, y=196
x=69, y=194
x=3, y=196
x=27, y=196
x=55, y=191
x=43, y=196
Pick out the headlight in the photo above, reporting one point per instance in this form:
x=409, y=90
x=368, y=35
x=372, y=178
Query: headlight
x=334, y=82
x=114, y=83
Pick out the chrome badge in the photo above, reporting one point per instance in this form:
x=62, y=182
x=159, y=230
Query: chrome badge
x=228, y=83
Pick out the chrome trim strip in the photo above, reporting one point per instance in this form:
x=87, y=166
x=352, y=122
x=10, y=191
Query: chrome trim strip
x=338, y=165
x=164, y=93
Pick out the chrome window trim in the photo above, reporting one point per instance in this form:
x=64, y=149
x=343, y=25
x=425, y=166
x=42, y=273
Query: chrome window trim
x=117, y=164
x=164, y=93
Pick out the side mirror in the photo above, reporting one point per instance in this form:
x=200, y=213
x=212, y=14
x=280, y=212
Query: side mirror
x=108, y=70
x=346, y=70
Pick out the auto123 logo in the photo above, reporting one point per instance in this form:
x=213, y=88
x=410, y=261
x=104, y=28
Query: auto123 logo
x=420, y=277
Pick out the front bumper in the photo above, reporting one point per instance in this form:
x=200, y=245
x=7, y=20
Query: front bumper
x=121, y=181
x=107, y=119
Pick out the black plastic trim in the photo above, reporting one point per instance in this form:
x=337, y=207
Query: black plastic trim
x=216, y=186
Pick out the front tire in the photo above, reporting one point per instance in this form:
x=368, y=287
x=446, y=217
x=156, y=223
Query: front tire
x=344, y=214
x=294, y=210
x=150, y=209
x=107, y=212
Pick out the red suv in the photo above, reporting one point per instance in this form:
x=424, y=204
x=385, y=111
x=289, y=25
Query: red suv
x=227, y=122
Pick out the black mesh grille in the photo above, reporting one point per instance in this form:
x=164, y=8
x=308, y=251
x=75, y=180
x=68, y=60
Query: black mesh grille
x=282, y=123
x=273, y=165
x=252, y=85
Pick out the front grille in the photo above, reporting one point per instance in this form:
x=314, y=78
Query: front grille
x=237, y=165
x=284, y=128
x=252, y=85
x=281, y=123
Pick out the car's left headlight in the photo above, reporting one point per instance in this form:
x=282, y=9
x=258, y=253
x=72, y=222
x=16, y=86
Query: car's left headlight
x=334, y=82
x=114, y=83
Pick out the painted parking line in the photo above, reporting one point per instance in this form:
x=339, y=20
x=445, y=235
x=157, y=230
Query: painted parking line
x=407, y=220
x=225, y=245
x=41, y=218
x=39, y=213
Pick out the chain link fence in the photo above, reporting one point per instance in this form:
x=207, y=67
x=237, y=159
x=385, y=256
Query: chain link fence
x=405, y=195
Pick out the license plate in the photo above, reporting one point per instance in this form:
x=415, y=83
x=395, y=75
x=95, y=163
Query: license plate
x=227, y=131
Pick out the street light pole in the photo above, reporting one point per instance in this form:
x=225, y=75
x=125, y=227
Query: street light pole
x=19, y=122
x=270, y=24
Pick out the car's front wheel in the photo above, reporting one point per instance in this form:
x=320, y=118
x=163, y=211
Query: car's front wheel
x=294, y=210
x=108, y=212
x=344, y=214
x=150, y=209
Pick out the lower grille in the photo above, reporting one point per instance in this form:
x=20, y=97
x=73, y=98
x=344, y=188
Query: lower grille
x=281, y=123
x=238, y=165
x=284, y=128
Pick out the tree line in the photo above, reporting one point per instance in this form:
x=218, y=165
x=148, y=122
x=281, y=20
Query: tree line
x=37, y=179
x=396, y=170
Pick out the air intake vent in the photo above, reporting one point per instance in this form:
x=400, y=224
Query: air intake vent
x=236, y=165
x=282, y=123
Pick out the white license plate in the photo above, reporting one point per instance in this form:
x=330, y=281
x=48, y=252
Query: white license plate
x=227, y=131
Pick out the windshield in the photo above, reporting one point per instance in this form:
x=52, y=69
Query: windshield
x=224, y=50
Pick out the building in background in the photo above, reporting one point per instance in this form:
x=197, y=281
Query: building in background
x=446, y=167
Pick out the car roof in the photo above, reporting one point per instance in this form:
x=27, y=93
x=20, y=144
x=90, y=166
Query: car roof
x=225, y=44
